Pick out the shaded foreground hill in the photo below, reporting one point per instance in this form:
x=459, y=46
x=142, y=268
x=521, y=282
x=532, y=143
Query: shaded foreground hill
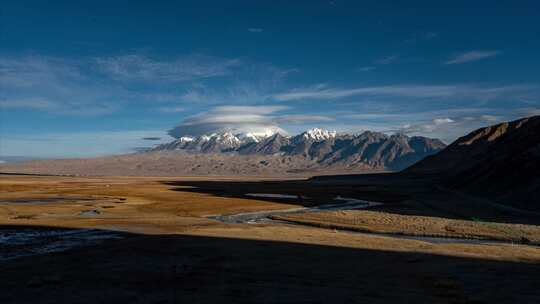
x=501, y=162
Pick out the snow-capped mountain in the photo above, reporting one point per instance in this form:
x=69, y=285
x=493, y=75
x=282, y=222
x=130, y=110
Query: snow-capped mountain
x=370, y=149
x=216, y=142
x=317, y=134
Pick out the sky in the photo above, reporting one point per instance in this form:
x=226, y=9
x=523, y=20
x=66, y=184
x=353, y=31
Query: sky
x=92, y=78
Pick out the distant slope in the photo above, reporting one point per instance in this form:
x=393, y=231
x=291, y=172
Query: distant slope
x=500, y=161
x=179, y=163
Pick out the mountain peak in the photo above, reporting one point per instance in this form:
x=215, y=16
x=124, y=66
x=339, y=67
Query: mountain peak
x=256, y=136
x=186, y=139
x=319, y=134
x=372, y=149
x=226, y=138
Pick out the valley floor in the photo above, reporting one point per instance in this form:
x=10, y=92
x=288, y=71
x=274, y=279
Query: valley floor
x=153, y=240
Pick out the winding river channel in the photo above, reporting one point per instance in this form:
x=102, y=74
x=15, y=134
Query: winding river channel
x=339, y=203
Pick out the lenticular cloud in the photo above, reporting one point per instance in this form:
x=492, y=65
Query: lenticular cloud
x=237, y=119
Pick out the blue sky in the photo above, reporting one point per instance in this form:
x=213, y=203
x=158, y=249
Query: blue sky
x=99, y=78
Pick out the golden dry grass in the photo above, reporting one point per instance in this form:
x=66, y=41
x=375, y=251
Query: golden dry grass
x=383, y=222
x=149, y=206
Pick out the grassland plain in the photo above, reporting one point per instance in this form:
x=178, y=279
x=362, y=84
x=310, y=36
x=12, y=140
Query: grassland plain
x=426, y=226
x=173, y=252
x=154, y=205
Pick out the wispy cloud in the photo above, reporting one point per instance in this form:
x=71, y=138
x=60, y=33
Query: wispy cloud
x=135, y=67
x=490, y=118
x=406, y=91
x=58, y=107
x=240, y=93
x=55, y=85
x=443, y=122
x=448, y=128
x=427, y=127
x=408, y=116
x=300, y=118
x=97, y=86
x=255, y=30
x=471, y=56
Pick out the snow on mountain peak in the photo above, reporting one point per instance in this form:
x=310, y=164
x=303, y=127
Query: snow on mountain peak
x=266, y=132
x=249, y=137
x=232, y=139
x=319, y=134
x=257, y=136
x=227, y=138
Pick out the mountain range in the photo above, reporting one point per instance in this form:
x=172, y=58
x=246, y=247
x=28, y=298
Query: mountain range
x=499, y=162
x=315, y=151
x=371, y=150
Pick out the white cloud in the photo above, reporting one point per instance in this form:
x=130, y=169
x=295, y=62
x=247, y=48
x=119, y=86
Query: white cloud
x=249, y=109
x=301, y=118
x=446, y=124
x=90, y=86
x=405, y=115
x=407, y=91
x=231, y=94
x=448, y=129
x=442, y=121
x=136, y=67
x=228, y=118
x=471, y=56
x=55, y=85
x=427, y=127
x=490, y=118
x=256, y=119
x=43, y=104
x=30, y=71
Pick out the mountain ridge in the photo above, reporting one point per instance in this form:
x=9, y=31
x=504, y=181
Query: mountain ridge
x=501, y=161
x=305, y=154
x=377, y=150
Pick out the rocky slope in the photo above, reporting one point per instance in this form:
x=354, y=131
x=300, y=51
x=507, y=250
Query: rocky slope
x=500, y=161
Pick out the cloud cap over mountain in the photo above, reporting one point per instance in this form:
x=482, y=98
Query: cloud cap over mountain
x=242, y=119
